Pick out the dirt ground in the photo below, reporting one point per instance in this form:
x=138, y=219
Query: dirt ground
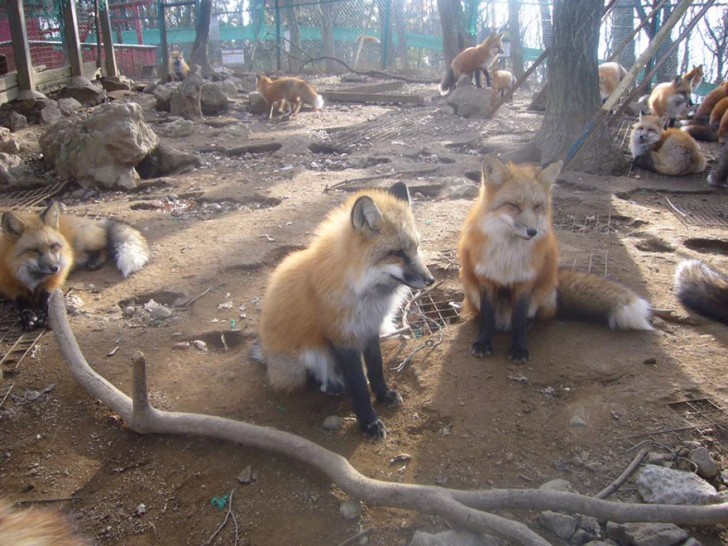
x=578, y=410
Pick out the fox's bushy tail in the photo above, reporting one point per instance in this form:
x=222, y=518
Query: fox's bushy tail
x=127, y=247
x=702, y=132
x=702, y=289
x=588, y=296
x=448, y=83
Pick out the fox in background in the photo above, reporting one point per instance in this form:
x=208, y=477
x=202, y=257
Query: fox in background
x=287, y=92
x=325, y=305
x=178, y=68
x=666, y=151
x=702, y=289
x=509, y=258
x=473, y=60
x=38, y=251
x=610, y=74
x=670, y=99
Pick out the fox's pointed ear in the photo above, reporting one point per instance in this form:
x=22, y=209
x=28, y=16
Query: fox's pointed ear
x=548, y=174
x=13, y=225
x=51, y=216
x=494, y=171
x=366, y=216
x=400, y=191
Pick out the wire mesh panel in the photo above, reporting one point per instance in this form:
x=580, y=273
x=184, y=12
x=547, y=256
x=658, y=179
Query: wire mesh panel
x=44, y=25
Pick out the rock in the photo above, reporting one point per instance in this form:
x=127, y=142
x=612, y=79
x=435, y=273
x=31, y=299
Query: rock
x=8, y=144
x=69, y=106
x=11, y=169
x=447, y=110
x=163, y=93
x=88, y=94
x=160, y=312
x=333, y=423
x=660, y=485
x=50, y=114
x=101, y=149
x=74, y=304
x=562, y=525
x=257, y=104
x=129, y=310
x=179, y=128
x=181, y=346
x=470, y=101
x=120, y=83
x=212, y=99
x=350, y=509
x=185, y=101
x=229, y=88
x=164, y=160
x=17, y=121
x=454, y=538
x=558, y=485
x=646, y=534
x=706, y=465
x=140, y=510
x=247, y=476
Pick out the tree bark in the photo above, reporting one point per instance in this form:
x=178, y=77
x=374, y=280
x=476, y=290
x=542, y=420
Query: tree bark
x=514, y=31
x=327, y=34
x=573, y=90
x=667, y=71
x=622, y=27
x=454, y=33
x=199, y=54
x=294, y=45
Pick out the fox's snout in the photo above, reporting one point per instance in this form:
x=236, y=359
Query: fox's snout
x=418, y=276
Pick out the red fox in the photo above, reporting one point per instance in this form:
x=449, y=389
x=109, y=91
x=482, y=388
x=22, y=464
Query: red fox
x=670, y=99
x=665, y=151
x=509, y=263
x=610, y=74
x=703, y=126
x=473, y=60
x=178, y=68
x=694, y=77
x=32, y=527
x=324, y=305
x=718, y=176
x=503, y=81
x=702, y=290
x=287, y=92
x=37, y=251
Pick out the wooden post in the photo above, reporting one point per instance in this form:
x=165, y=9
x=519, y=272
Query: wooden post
x=73, y=45
x=110, y=57
x=21, y=49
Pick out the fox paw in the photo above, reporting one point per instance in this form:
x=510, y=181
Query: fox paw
x=518, y=355
x=479, y=350
x=391, y=399
x=29, y=320
x=375, y=430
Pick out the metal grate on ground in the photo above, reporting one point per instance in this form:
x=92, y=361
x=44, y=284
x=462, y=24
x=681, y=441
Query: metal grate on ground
x=701, y=414
x=692, y=212
x=25, y=199
x=15, y=344
x=596, y=263
x=600, y=224
x=5, y=391
x=642, y=174
x=409, y=126
x=621, y=133
x=426, y=313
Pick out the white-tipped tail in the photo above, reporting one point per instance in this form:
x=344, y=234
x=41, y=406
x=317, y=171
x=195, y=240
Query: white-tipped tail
x=632, y=316
x=318, y=102
x=128, y=248
x=702, y=290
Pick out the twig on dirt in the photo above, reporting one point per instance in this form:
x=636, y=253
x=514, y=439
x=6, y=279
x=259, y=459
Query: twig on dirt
x=428, y=344
x=45, y=501
x=224, y=522
x=670, y=316
x=351, y=539
x=193, y=300
x=378, y=176
x=616, y=484
x=674, y=208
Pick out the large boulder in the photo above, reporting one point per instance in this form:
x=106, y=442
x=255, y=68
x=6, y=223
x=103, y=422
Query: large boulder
x=101, y=149
x=186, y=98
x=212, y=99
x=163, y=93
x=470, y=101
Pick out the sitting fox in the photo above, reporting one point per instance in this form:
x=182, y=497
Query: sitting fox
x=178, y=68
x=38, y=251
x=670, y=99
x=473, y=60
x=610, y=74
x=665, y=151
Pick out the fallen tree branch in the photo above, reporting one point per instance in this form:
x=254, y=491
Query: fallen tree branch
x=469, y=509
x=370, y=73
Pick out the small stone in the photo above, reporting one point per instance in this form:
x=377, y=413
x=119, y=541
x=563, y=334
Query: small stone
x=247, y=476
x=129, y=310
x=17, y=121
x=50, y=114
x=706, y=465
x=577, y=421
x=181, y=345
x=350, y=509
x=200, y=345
x=161, y=312
x=74, y=304
x=333, y=423
x=140, y=510
x=562, y=525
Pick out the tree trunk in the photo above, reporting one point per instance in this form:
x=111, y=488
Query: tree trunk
x=327, y=35
x=294, y=45
x=514, y=30
x=668, y=70
x=452, y=21
x=199, y=55
x=398, y=16
x=573, y=90
x=622, y=27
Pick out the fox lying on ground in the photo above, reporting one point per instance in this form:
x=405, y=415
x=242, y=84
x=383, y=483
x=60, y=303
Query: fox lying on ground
x=37, y=252
x=178, y=68
x=287, y=92
x=473, y=60
x=610, y=74
x=325, y=305
x=665, y=151
x=702, y=290
x=509, y=263
x=670, y=99
x=705, y=124
x=32, y=527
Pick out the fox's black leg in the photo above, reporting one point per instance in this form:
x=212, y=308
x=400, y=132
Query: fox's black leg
x=375, y=373
x=477, y=79
x=519, y=327
x=32, y=314
x=487, y=77
x=349, y=361
x=483, y=346
x=645, y=161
